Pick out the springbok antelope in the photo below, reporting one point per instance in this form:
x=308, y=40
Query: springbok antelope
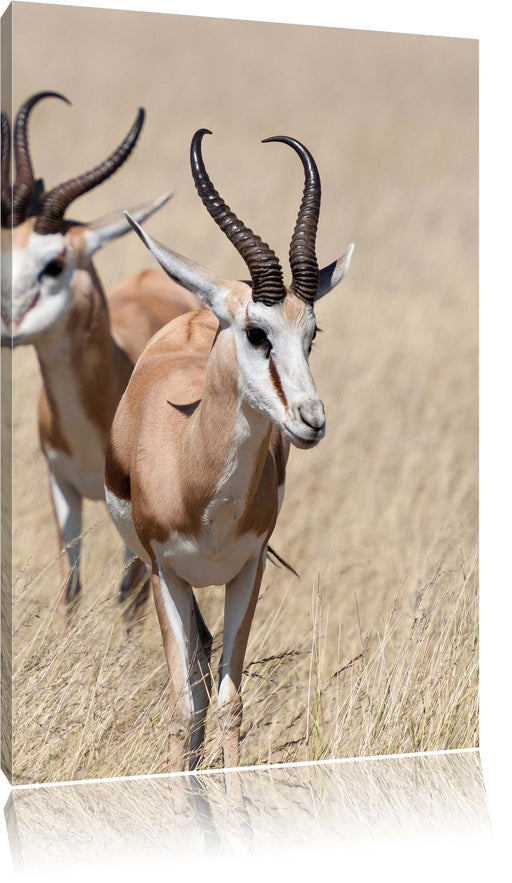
x=52, y=298
x=196, y=460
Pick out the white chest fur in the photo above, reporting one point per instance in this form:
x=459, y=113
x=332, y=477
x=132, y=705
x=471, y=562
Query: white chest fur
x=200, y=561
x=196, y=562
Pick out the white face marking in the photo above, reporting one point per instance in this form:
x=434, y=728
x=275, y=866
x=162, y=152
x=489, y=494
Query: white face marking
x=35, y=287
x=275, y=377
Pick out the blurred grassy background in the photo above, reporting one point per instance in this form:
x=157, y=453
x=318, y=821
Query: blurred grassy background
x=387, y=503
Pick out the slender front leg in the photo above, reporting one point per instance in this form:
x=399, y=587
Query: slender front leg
x=187, y=663
x=67, y=506
x=240, y=603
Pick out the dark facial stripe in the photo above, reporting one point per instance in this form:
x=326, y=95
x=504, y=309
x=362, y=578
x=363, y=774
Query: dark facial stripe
x=276, y=380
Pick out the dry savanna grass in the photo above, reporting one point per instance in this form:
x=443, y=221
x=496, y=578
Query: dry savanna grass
x=97, y=699
x=374, y=649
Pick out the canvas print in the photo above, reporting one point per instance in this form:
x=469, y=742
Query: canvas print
x=239, y=393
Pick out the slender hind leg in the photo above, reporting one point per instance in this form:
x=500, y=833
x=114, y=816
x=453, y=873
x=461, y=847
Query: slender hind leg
x=67, y=506
x=201, y=680
x=134, y=589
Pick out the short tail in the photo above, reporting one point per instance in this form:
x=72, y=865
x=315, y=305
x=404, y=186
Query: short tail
x=280, y=562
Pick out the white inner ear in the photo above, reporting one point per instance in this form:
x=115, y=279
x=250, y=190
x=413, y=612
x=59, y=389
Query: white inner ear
x=212, y=290
x=116, y=224
x=334, y=273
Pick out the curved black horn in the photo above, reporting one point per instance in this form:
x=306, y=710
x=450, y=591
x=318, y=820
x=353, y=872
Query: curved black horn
x=6, y=177
x=55, y=202
x=303, y=262
x=23, y=188
x=264, y=267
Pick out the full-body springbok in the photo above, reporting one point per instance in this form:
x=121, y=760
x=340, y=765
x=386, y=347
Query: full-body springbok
x=196, y=461
x=52, y=298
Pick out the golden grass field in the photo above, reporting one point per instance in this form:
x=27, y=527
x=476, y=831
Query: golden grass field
x=374, y=650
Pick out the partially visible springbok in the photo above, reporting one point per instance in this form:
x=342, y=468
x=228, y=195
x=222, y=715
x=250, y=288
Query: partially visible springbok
x=196, y=461
x=52, y=298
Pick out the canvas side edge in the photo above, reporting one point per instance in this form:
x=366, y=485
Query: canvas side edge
x=6, y=460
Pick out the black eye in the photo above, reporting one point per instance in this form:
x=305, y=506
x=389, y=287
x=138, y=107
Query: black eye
x=257, y=336
x=53, y=268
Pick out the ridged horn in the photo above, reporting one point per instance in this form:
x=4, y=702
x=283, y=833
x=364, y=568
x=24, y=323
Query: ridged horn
x=24, y=185
x=6, y=177
x=56, y=201
x=264, y=267
x=302, y=255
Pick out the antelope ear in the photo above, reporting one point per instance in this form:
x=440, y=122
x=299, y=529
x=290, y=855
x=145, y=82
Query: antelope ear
x=334, y=273
x=114, y=224
x=197, y=279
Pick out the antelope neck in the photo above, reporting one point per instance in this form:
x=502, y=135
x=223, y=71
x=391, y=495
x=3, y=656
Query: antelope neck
x=229, y=434
x=84, y=371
